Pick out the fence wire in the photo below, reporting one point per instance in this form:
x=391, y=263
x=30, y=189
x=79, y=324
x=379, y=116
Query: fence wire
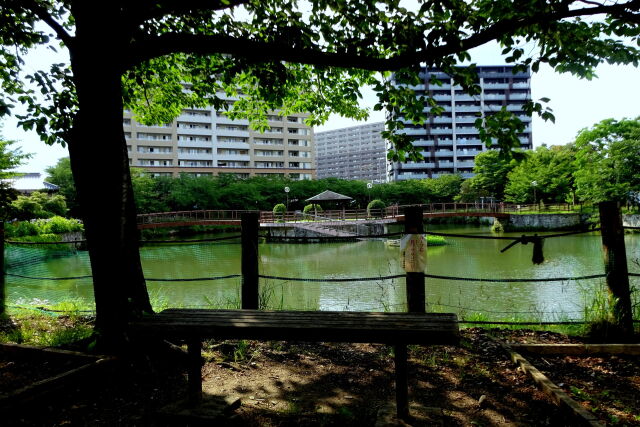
x=49, y=272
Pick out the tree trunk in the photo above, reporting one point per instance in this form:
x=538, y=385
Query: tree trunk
x=615, y=265
x=100, y=167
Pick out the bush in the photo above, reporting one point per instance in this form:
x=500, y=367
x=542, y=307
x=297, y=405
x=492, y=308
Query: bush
x=40, y=227
x=279, y=209
x=38, y=205
x=21, y=229
x=312, y=207
x=58, y=225
x=376, y=207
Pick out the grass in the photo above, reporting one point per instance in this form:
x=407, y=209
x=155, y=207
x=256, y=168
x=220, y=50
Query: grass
x=46, y=330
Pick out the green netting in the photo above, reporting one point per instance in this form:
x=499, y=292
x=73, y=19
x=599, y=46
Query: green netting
x=206, y=274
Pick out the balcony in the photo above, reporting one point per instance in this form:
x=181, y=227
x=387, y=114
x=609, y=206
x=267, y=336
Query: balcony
x=466, y=164
x=233, y=157
x=466, y=119
x=229, y=132
x=445, y=153
x=194, y=118
x=412, y=131
x=519, y=96
x=402, y=177
x=195, y=156
x=496, y=85
x=222, y=119
x=194, y=131
x=467, y=153
x=441, y=132
x=232, y=144
x=468, y=108
x=425, y=165
x=195, y=144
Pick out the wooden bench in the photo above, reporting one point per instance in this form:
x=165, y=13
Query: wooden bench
x=398, y=329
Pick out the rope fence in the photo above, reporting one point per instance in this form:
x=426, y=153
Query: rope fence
x=157, y=245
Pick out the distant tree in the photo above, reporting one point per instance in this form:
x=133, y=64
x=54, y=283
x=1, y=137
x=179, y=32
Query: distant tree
x=491, y=170
x=444, y=188
x=469, y=193
x=9, y=160
x=551, y=169
x=608, y=161
x=60, y=175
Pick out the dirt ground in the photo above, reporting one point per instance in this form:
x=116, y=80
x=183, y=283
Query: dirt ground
x=304, y=384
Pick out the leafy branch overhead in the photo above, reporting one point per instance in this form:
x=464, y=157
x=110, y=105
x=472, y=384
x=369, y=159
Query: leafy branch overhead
x=313, y=57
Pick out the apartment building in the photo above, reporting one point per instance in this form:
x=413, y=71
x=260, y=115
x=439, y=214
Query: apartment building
x=356, y=152
x=450, y=142
x=205, y=142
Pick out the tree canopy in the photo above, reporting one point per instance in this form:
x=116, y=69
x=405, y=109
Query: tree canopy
x=304, y=57
x=608, y=160
x=156, y=57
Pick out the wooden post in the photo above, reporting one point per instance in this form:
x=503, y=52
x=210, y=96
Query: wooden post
x=3, y=293
x=402, y=384
x=416, y=304
x=615, y=264
x=414, y=281
x=249, y=240
x=194, y=373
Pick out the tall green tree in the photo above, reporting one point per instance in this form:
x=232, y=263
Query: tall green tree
x=10, y=159
x=608, y=161
x=281, y=55
x=546, y=175
x=491, y=169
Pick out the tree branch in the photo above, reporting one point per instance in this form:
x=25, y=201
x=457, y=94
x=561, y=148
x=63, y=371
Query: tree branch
x=148, y=47
x=42, y=13
x=143, y=10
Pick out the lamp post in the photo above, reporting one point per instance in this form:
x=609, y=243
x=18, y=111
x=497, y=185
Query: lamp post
x=286, y=191
x=534, y=184
x=369, y=186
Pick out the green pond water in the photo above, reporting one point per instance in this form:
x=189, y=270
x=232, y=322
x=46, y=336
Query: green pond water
x=576, y=255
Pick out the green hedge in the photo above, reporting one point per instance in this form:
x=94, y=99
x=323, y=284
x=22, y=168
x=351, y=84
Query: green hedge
x=40, y=227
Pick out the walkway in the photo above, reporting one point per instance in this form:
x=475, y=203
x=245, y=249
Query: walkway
x=392, y=214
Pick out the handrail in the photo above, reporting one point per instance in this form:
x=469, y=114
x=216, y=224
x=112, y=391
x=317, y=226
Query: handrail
x=390, y=212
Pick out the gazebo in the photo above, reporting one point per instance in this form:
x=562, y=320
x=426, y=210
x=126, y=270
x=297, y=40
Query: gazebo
x=330, y=196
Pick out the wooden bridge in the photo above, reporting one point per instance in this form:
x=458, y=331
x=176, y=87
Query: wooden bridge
x=392, y=214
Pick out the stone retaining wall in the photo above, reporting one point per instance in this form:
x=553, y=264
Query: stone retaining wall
x=543, y=222
x=631, y=220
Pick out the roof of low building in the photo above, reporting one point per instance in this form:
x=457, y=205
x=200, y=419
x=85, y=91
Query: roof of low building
x=327, y=196
x=31, y=181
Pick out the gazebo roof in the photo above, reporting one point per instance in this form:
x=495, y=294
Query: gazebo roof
x=328, y=196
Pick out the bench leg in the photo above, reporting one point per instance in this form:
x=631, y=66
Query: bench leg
x=194, y=373
x=402, y=385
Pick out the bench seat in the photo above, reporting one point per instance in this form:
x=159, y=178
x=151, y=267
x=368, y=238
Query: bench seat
x=318, y=326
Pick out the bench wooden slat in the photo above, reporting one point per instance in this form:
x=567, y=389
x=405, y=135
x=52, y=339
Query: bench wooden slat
x=410, y=328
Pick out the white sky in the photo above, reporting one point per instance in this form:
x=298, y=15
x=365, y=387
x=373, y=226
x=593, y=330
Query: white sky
x=576, y=103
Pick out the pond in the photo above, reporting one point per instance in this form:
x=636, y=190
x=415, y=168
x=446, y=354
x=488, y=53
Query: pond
x=570, y=256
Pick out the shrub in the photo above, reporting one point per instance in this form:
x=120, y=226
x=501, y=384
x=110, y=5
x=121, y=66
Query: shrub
x=40, y=227
x=376, y=207
x=279, y=210
x=21, y=229
x=312, y=207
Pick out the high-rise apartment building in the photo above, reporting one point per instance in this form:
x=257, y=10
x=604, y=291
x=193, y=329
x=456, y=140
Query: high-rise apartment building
x=356, y=152
x=205, y=142
x=450, y=142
